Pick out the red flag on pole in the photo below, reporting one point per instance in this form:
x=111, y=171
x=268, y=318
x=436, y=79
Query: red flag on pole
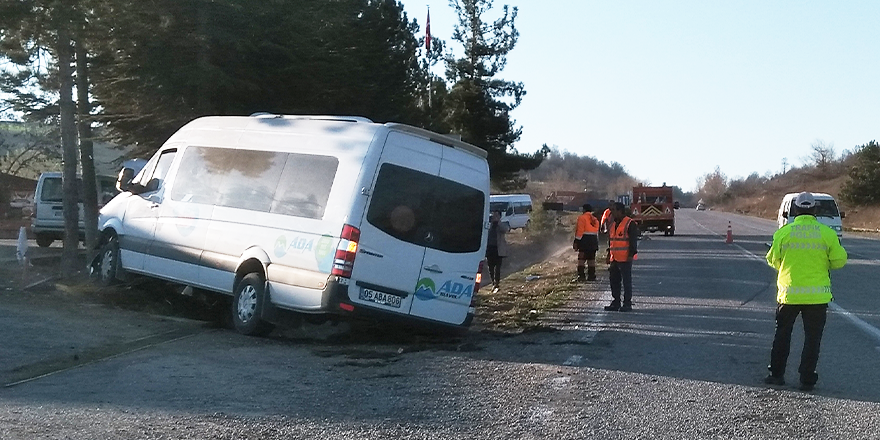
x=428, y=32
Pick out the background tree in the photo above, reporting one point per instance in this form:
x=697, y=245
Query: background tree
x=169, y=61
x=712, y=187
x=478, y=105
x=36, y=31
x=564, y=170
x=26, y=147
x=863, y=186
x=822, y=154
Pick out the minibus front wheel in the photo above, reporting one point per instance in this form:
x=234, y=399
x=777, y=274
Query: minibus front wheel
x=248, y=305
x=108, y=261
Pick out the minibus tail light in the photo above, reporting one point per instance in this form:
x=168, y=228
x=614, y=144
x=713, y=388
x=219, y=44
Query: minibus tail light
x=479, y=277
x=343, y=261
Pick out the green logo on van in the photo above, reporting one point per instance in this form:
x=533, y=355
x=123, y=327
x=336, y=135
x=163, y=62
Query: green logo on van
x=426, y=289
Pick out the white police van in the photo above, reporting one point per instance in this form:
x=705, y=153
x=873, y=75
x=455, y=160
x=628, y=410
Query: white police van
x=313, y=214
x=827, y=211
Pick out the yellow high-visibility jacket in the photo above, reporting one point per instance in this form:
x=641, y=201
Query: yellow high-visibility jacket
x=803, y=252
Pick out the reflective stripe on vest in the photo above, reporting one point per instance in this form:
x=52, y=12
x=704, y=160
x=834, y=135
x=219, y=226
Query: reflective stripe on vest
x=804, y=290
x=619, y=240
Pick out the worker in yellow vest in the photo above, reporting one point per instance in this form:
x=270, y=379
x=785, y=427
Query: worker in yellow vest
x=623, y=237
x=803, y=252
x=586, y=243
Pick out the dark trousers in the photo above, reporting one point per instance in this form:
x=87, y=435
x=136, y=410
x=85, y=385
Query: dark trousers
x=493, y=260
x=621, y=274
x=813, y=316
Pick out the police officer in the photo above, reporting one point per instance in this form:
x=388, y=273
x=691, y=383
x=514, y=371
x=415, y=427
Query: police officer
x=803, y=252
x=586, y=242
x=623, y=238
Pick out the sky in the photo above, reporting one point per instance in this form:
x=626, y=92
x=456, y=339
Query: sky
x=673, y=89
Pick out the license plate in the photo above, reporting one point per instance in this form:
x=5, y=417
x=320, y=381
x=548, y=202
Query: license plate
x=380, y=298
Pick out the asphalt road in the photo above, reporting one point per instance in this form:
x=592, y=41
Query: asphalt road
x=688, y=362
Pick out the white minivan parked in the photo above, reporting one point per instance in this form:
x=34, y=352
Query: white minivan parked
x=319, y=215
x=515, y=209
x=827, y=211
x=47, y=218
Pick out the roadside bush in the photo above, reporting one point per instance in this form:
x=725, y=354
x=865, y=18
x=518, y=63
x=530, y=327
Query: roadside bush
x=543, y=224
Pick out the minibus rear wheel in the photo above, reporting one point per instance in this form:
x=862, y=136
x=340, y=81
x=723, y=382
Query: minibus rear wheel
x=247, y=307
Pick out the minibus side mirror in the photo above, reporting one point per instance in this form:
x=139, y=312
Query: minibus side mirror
x=842, y=214
x=123, y=181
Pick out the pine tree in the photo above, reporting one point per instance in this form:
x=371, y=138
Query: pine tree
x=35, y=31
x=863, y=186
x=479, y=104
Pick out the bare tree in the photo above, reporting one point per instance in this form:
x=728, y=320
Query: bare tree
x=713, y=186
x=823, y=154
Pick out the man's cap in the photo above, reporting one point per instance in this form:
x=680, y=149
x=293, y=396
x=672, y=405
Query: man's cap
x=587, y=207
x=805, y=200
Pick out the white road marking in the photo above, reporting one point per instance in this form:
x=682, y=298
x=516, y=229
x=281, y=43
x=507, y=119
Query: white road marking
x=867, y=328
x=872, y=331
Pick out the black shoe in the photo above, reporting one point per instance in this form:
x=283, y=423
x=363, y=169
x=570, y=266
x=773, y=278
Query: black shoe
x=591, y=278
x=626, y=308
x=806, y=386
x=613, y=307
x=579, y=279
x=774, y=380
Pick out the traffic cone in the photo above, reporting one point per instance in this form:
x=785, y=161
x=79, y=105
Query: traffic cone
x=729, y=234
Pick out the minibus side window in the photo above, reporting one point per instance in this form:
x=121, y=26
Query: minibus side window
x=305, y=185
x=263, y=181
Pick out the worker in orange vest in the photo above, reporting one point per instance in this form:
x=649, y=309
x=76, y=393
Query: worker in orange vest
x=586, y=243
x=606, y=217
x=623, y=240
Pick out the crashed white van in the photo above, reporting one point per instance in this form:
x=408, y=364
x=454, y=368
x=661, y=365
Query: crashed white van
x=313, y=214
x=827, y=211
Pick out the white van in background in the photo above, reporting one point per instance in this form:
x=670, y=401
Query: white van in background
x=827, y=211
x=515, y=209
x=47, y=219
x=319, y=215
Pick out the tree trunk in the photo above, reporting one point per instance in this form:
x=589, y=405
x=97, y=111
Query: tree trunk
x=69, y=263
x=86, y=151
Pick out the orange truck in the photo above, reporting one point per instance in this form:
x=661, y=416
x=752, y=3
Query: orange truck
x=654, y=209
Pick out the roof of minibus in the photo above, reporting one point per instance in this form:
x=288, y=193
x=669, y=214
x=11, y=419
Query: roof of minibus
x=509, y=197
x=354, y=128
x=815, y=195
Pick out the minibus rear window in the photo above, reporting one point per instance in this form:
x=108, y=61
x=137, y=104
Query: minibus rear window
x=427, y=210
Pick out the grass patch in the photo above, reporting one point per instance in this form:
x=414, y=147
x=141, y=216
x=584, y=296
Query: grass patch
x=523, y=300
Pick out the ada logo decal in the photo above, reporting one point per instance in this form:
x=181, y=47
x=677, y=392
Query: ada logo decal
x=298, y=245
x=426, y=290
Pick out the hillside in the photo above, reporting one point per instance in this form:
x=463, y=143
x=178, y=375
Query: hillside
x=763, y=199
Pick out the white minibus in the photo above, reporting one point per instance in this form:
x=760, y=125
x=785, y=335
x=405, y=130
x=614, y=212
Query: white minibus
x=515, y=209
x=314, y=214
